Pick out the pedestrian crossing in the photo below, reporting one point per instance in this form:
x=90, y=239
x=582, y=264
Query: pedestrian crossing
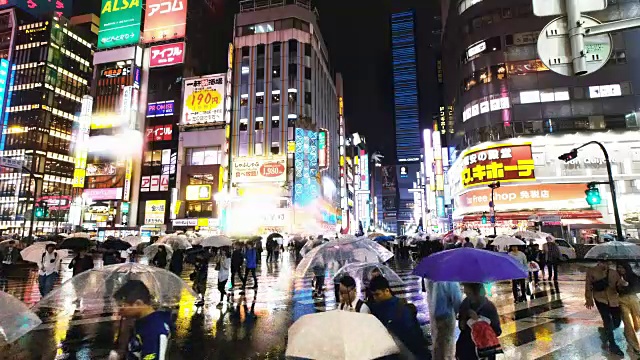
x=552, y=324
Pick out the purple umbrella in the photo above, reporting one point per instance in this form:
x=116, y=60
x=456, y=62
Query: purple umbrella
x=470, y=265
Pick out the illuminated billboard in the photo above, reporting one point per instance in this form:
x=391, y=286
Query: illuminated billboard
x=41, y=7
x=166, y=55
x=154, y=212
x=164, y=20
x=119, y=23
x=259, y=169
x=198, y=193
x=323, y=149
x=203, y=100
x=504, y=163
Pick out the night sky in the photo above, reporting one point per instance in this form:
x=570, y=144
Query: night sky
x=357, y=35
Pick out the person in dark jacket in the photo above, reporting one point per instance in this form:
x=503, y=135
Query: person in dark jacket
x=177, y=260
x=200, y=275
x=475, y=304
x=81, y=263
x=160, y=260
x=398, y=317
x=630, y=305
x=152, y=328
x=110, y=257
x=237, y=258
x=250, y=256
x=270, y=245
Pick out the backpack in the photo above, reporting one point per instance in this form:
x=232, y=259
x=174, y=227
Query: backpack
x=359, y=304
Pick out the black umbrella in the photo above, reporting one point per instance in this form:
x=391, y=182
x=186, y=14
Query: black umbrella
x=116, y=244
x=273, y=236
x=75, y=243
x=56, y=238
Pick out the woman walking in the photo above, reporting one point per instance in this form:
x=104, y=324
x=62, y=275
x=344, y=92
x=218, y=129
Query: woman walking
x=629, y=305
x=474, y=306
x=223, y=265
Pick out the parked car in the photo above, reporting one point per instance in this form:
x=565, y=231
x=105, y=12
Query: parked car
x=566, y=250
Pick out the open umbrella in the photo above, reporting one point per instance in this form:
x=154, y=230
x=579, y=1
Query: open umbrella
x=383, y=239
x=506, y=241
x=33, y=253
x=309, y=245
x=615, y=250
x=74, y=243
x=374, y=235
x=470, y=265
x=80, y=235
x=175, y=241
x=342, y=252
x=135, y=240
x=339, y=335
x=93, y=290
x=116, y=244
x=214, y=241
x=15, y=319
x=151, y=250
x=528, y=234
x=5, y=243
x=469, y=233
x=363, y=270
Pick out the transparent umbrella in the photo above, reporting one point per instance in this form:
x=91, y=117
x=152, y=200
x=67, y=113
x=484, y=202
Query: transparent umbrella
x=528, y=234
x=92, y=291
x=152, y=250
x=213, y=241
x=15, y=319
x=176, y=242
x=343, y=251
x=615, y=250
x=338, y=335
x=362, y=271
x=505, y=241
x=134, y=240
x=309, y=245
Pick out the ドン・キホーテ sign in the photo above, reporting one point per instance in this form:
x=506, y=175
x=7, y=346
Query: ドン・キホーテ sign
x=504, y=163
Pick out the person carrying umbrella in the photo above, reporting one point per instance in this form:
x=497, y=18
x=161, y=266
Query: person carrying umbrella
x=349, y=300
x=629, y=305
x=601, y=290
x=160, y=259
x=236, y=263
x=81, y=262
x=176, y=263
x=48, y=269
x=199, y=276
x=518, y=286
x=251, y=258
x=223, y=265
x=475, y=306
x=152, y=329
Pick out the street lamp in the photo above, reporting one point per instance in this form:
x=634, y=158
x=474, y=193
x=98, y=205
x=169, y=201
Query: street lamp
x=492, y=206
x=574, y=154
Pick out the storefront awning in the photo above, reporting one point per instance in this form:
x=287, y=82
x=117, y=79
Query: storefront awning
x=524, y=215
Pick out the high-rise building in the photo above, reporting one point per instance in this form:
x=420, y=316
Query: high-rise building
x=45, y=71
x=284, y=98
x=512, y=114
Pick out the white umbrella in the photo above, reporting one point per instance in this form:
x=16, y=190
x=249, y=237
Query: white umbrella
x=33, y=253
x=504, y=240
x=471, y=234
x=337, y=335
x=214, y=241
x=134, y=240
x=80, y=235
x=615, y=250
x=528, y=234
x=175, y=241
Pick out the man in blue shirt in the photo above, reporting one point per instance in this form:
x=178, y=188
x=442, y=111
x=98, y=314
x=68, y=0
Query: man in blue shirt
x=444, y=300
x=398, y=317
x=252, y=262
x=152, y=329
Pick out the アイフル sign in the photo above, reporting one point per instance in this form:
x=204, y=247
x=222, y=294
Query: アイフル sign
x=166, y=55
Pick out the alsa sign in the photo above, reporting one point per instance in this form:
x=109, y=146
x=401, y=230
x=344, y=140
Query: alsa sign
x=164, y=20
x=167, y=54
x=259, y=170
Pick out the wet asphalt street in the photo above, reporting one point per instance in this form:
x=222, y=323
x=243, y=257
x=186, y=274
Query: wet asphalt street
x=553, y=324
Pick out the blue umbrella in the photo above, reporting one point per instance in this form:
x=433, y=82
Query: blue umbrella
x=383, y=238
x=470, y=265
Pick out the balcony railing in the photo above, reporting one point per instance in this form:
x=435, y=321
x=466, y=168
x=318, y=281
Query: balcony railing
x=256, y=5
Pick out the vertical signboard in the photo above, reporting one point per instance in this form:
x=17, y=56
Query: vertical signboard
x=203, y=100
x=4, y=73
x=119, y=23
x=164, y=20
x=323, y=149
x=154, y=212
x=364, y=170
x=82, y=142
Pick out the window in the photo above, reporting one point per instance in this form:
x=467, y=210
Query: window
x=605, y=91
x=527, y=97
x=463, y=5
x=260, y=99
x=244, y=100
x=243, y=125
x=307, y=97
x=204, y=156
x=275, y=124
x=260, y=73
x=276, y=71
x=245, y=51
x=275, y=148
x=260, y=49
x=259, y=125
x=275, y=97
x=258, y=149
x=307, y=49
x=307, y=73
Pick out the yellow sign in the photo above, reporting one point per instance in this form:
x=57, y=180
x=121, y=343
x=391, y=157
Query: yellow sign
x=203, y=222
x=230, y=56
x=154, y=212
x=204, y=100
x=198, y=193
x=340, y=106
x=78, y=178
x=291, y=147
x=177, y=207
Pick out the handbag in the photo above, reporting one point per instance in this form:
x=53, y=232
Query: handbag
x=602, y=284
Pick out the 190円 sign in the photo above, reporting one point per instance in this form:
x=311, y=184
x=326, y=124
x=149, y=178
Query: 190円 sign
x=204, y=100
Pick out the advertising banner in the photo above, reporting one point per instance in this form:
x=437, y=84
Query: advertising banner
x=105, y=169
x=154, y=212
x=246, y=170
x=388, y=179
x=167, y=54
x=504, y=163
x=103, y=194
x=164, y=20
x=203, y=100
x=41, y=7
x=160, y=108
x=198, y=193
x=528, y=197
x=62, y=202
x=119, y=23
x=159, y=133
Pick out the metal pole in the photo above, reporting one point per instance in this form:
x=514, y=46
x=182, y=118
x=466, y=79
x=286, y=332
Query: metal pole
x=576, y=37
x=612, y=26
x=612, y=186
x=493, y=213
x=33, y=206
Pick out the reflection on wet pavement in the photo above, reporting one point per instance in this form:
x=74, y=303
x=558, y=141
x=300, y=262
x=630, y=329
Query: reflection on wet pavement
x=553, y=324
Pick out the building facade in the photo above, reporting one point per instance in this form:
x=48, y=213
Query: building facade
x=503, y=98
x=45, y=72
x=284, y=97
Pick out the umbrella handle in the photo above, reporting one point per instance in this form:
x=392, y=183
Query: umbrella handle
x=424, y=287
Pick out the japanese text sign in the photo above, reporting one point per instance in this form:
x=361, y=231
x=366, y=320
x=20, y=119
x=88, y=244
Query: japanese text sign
x=505, y=163
x=203, y=100
x=119, y=23
x=259, y=169
x=164, y=20
x=167, y=54
x=159, y=133
x=154, y=212
x=161, y=108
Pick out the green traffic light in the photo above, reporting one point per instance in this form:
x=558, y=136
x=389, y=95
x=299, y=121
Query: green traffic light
x=39, y=212
x=484, y=218
x=593, y=196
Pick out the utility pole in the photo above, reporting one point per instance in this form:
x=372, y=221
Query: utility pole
x=492, y=206
x=575, y=44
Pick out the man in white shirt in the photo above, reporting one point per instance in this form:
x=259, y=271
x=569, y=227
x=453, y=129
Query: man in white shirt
x=49, y=268
x=349, y=300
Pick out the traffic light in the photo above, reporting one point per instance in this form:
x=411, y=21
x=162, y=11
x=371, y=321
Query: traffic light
x=484, y=218
x=39, y=212
x=593, y=194
x=569, y=156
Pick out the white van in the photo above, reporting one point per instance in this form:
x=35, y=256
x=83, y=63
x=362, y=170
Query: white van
x=567, y=252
